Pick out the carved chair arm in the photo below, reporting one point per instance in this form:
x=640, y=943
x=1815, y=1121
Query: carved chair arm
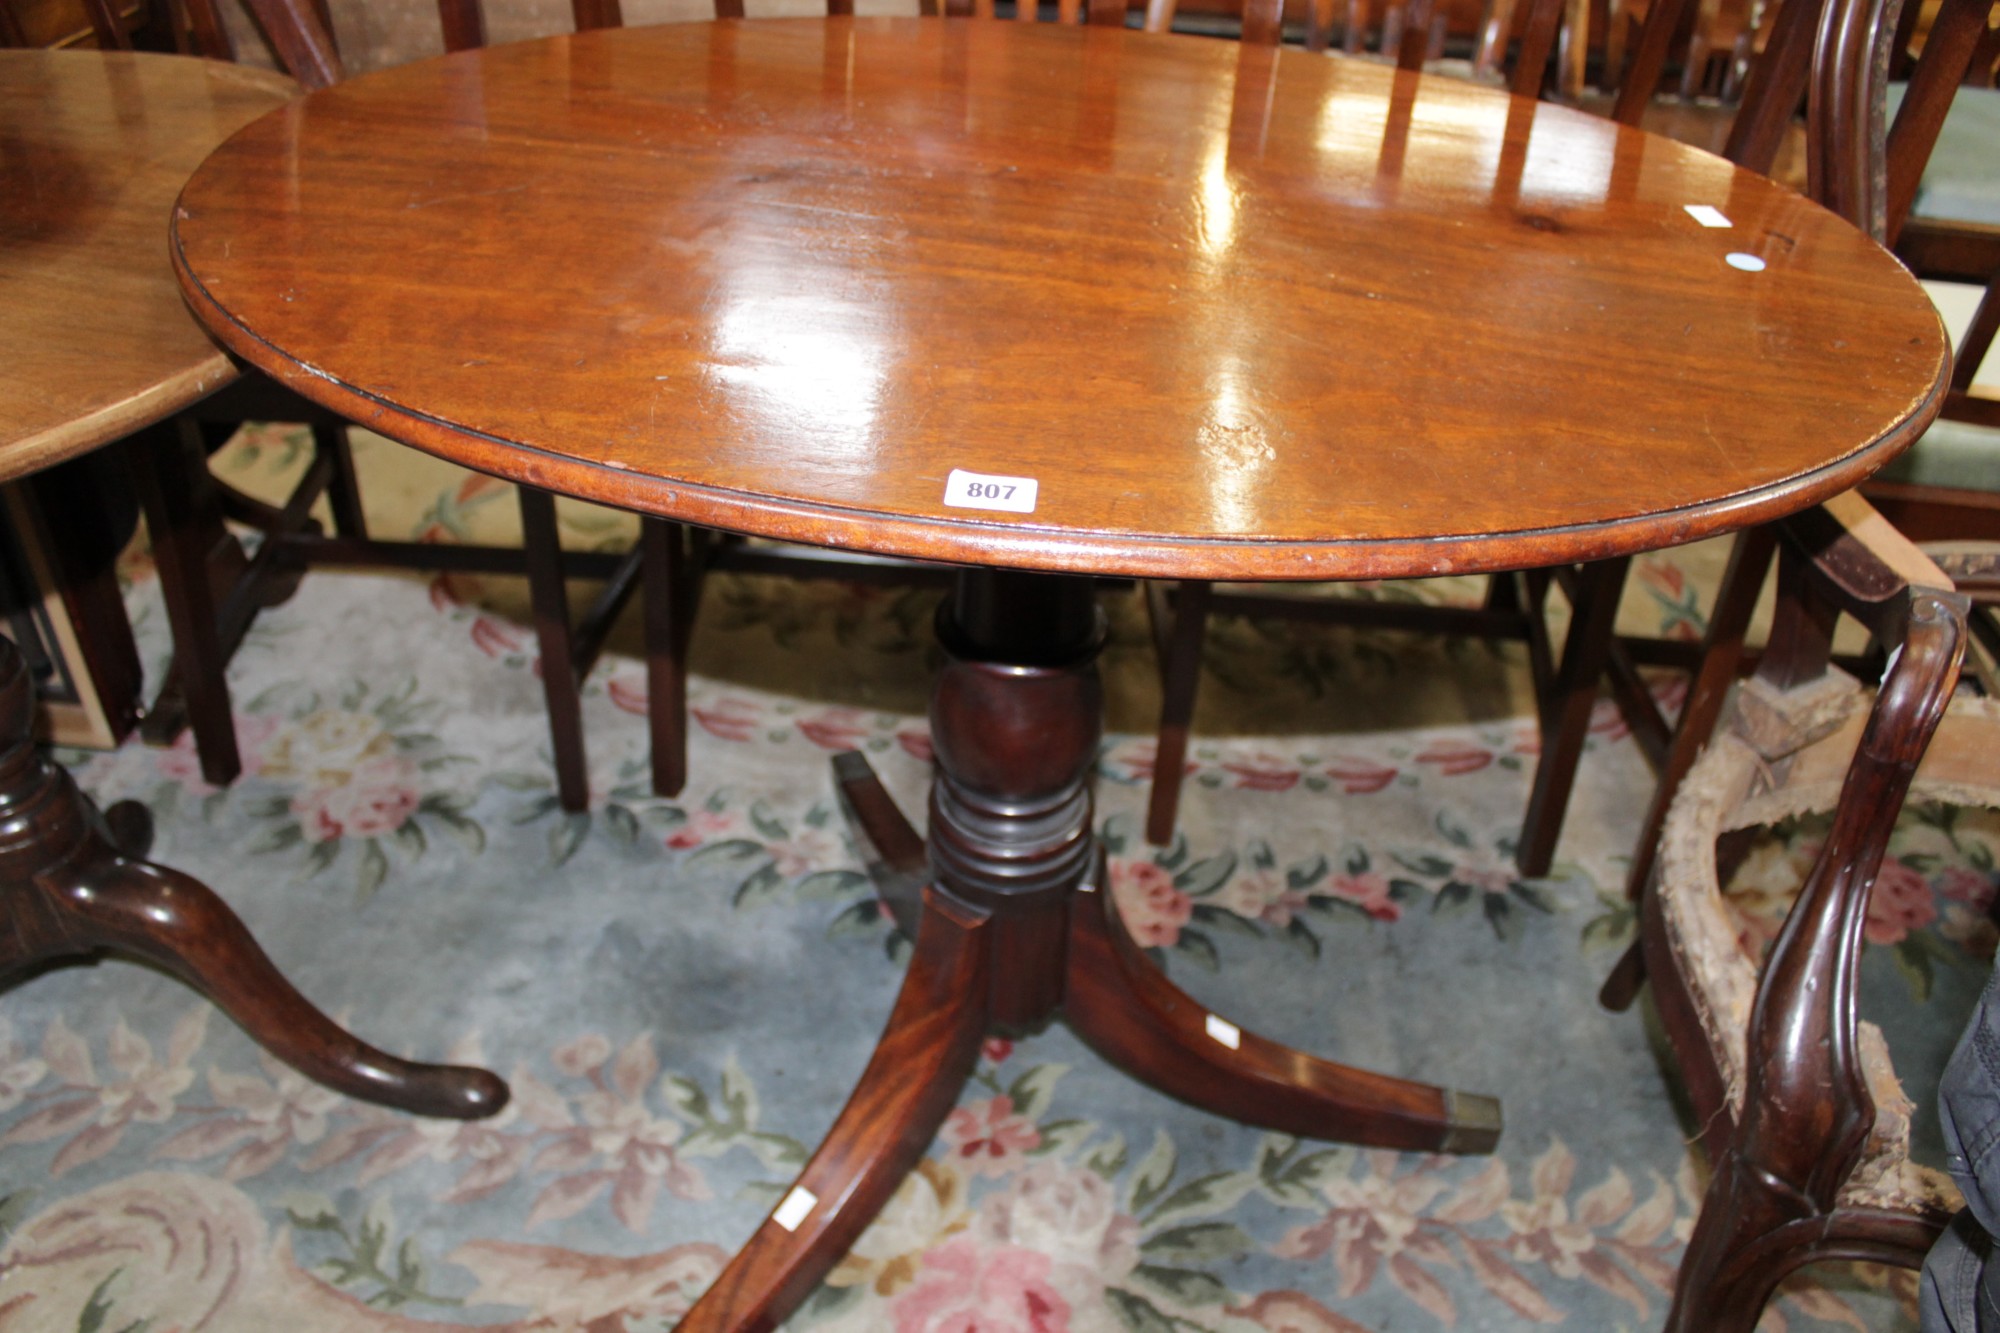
x=1807, y=1105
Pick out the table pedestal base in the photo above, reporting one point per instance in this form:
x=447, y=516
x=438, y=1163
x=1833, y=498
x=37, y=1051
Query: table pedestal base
x=1014, y=927
x=72, y=885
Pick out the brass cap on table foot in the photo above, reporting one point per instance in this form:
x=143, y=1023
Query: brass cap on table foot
x=1475, y=1123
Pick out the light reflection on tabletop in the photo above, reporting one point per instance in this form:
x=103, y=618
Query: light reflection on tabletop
x=816, y=264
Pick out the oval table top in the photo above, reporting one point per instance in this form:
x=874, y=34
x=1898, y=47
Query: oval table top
x=1237, y=313
x=93, y=148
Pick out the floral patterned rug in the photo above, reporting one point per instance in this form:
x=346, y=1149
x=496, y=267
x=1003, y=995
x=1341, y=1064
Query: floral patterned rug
x=681, y=992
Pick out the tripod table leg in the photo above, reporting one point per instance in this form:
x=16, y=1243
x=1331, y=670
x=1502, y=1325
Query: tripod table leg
x=1125, y=1008
x=66, y=891
x=913, y=1080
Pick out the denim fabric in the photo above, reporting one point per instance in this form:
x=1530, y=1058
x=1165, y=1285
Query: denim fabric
x=1961, y=1280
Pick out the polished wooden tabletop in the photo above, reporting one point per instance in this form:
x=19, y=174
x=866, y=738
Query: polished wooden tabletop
x=1235, y=312
x=93, y=149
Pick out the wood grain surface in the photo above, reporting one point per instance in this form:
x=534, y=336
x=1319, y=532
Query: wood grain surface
x=1239, y=313
x=93, y=148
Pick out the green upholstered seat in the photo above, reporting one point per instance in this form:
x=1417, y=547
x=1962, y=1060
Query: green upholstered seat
x=1962, y=180
x=1958, y=454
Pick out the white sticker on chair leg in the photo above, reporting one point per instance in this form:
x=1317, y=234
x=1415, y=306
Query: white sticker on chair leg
x=798, y=1205
x=1224, y=1031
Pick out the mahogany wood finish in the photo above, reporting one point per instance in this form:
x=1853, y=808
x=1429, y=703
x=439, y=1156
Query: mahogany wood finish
x=1565, y=682
x=819, y=246
x=292, y=539
x=1015, y=722
x=67, y=891
x=682, y=556
x=98, y=346
x=687, y=394
x=1781, y=1161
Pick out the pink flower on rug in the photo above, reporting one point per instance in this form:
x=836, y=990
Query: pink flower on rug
x=989, y=1137
x=701, y=825
x=260, y=1118
x=496, y=638
x=1264, y=772
x=728, y=720
x=1543, y=1232
x=1261, y=895
x=1900, y=903
x=1066, y=1212
x=1486, y=879
x=1962, y=884
x=94, y=1110
x=1359, y=777
x=916, y=744
x=1294, y=1312
x=628, y=695
x=1369, y=891
x=180, y=764
x=1377, y=1221
x=379, y=797
x=807, y=850
x=1152, y=909
x=611, y=1140
x=835, y=729
x=969, y=1288
x=1456, y=758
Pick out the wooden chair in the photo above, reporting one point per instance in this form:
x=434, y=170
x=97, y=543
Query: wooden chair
x=1515, y=606
x=1806, y=1128
x=1943, y=219
x=213, y=591
x=673, y=559
x=1856, y=166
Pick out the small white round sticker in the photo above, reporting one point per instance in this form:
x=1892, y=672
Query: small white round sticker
x=1748, y=263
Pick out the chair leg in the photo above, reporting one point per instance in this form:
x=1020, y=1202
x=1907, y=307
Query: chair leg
x=669, y=586
x=170, y=469
x=555, y=637
x=1565, y=711
x=343, y=489
x=1177, y=636
x=1737, y=1212
x=1722, y=651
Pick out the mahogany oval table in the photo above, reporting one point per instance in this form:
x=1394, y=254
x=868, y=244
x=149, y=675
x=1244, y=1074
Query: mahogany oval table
x=1050, y=302
x=99, y=344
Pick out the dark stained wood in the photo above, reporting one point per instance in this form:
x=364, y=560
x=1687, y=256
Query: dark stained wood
x=819, y=246
x=1949, y=49
x=927, y=1052
x=464, y=24
x=301, y=36
x=562, y=684
x=1564, y=707
x=697, y=392
x=1134, y=1017
x=898, y=862
x=1722, y=652
x=1178, y=630
x=169, y=469
x=68, y=891
x=1771, y=1204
